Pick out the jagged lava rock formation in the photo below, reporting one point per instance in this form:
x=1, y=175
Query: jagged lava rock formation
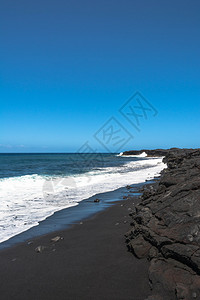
x=166, y=226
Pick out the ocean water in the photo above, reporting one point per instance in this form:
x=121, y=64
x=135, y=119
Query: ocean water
x=34, y=186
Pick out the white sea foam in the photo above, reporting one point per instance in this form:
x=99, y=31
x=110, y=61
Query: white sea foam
x=143, y=154
x=26, y=200
x=120, y=154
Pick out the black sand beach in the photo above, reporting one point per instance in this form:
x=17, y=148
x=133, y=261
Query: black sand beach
x=90, y=262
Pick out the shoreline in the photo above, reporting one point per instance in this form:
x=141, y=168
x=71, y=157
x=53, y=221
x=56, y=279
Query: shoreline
x=67, y=217
x=89, y=261
x=25, y=204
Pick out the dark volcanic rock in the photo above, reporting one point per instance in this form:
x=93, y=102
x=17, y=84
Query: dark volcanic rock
x=96, y=200
x=166, y=226
x=139, y=246
x=155, y=152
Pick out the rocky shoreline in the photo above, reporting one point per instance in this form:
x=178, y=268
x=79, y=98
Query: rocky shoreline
x=165, y=226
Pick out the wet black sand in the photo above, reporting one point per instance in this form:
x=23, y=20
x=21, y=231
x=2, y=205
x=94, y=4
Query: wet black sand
x=90, y=262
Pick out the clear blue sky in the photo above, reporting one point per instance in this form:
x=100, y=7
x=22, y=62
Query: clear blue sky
x=67, y=66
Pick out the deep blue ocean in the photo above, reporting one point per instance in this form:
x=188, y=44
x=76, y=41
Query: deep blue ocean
x=57, y=164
